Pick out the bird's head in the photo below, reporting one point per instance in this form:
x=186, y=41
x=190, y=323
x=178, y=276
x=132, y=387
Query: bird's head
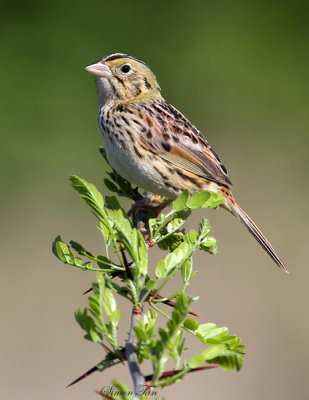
x=122, y=78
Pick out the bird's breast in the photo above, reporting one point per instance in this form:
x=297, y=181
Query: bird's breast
x=126, y=156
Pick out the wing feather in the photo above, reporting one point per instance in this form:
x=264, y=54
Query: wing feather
x=172, y=137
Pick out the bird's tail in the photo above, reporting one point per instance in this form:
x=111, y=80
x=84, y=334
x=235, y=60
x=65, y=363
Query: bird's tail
x=231, y=205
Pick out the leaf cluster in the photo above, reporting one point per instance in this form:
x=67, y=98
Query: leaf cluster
x=124, y=270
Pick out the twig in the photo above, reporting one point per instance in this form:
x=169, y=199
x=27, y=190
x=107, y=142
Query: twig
x=131, y=357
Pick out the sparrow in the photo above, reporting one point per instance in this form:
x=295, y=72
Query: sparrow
x=153, y=145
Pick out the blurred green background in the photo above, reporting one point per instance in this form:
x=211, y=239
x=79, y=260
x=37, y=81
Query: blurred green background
x=237, y=70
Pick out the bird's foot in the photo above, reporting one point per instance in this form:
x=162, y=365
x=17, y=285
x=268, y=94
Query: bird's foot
x=146, y=204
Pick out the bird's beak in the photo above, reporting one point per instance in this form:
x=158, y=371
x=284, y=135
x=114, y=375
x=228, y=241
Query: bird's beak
x=99, y=69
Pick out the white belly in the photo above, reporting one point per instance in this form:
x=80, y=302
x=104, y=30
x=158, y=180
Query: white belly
x=136, y=171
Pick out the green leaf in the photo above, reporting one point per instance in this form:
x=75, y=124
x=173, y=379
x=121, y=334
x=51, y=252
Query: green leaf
x=228, y=358
x=140, y=333
x=176, y=347
x=198, y=200
x=94, y=306
x=153, y=341
x=110, y=360
x=175, y=224
x=223, y=349
x=215, y=200
x=124, y=228
x=61, y=251
x=103, y=262
x=105, y=230
x=186, y=270
x=171, y=379
x=191, y=324
x=115, y=316
x=88, y=325
x=80, y=249
x=89, y=193
x=204, y=227
x=192, y=236
x=125, y=392
x=95, y=336
x=151, y=285
x=181, y=309
x=210, y=330
x=209, y=242
x=181, y=202
x=112, y=203
x=178, y=256
x=109, y=302
x=110, y=185
x=197, y=361
x=161, y=269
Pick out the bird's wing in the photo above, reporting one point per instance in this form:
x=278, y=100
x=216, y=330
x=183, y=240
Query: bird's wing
x=171, y=136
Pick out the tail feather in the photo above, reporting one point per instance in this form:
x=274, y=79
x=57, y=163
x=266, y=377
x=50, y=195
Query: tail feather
x=258, y=235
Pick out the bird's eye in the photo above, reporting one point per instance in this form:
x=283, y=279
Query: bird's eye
x=126, y=68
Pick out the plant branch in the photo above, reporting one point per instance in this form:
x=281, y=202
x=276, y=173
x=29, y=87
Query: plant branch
x=132, y=238
x=131, y=357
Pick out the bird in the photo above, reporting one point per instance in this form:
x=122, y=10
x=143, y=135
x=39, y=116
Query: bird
x=153, y=145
